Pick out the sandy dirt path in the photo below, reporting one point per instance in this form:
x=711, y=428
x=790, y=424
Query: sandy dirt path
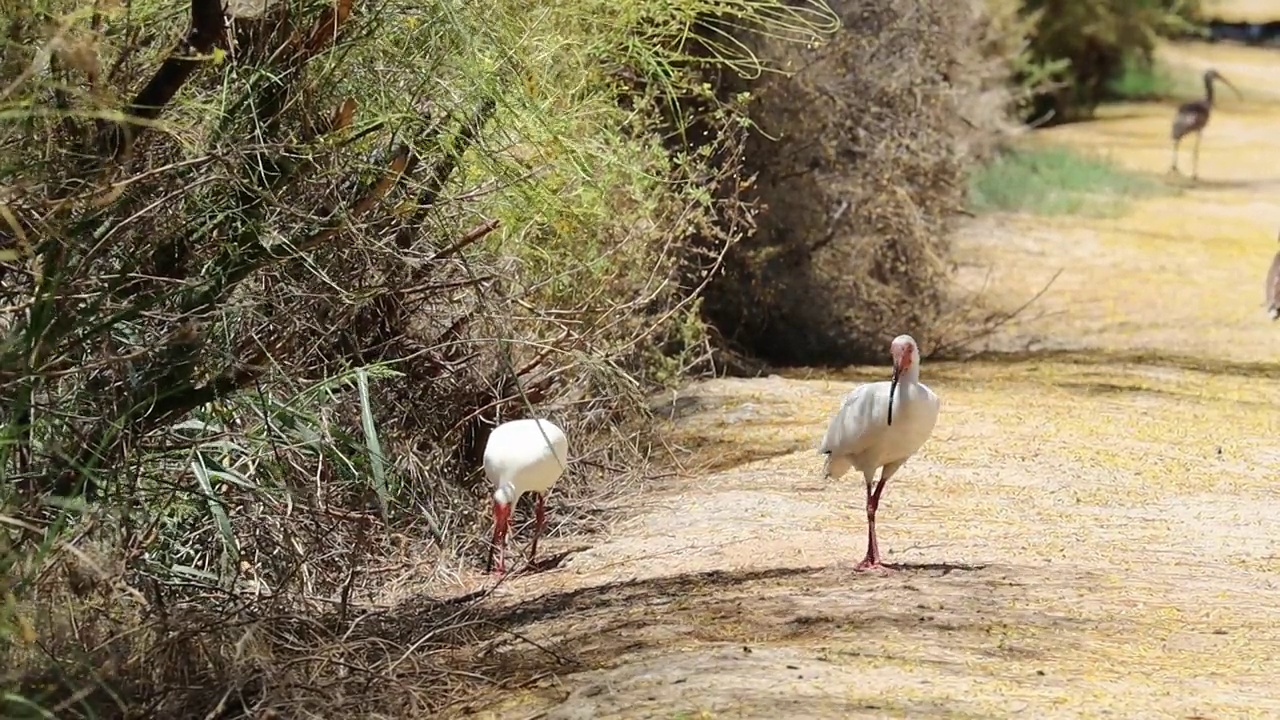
x=1093, y=530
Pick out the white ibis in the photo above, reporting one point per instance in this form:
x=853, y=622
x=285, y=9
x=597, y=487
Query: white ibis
x=1192, y=117
x=522, y=456
x=1273, y=288
x=881, y=425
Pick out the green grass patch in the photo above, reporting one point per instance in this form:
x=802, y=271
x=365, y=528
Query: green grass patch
x=1054, y=180
x=1143, y=81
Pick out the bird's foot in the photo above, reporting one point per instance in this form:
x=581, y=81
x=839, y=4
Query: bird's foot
x=871, y=564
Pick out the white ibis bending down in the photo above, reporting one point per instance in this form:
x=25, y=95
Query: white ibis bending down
x=522, y=456
x=1192, y=117
x=1273, y=288
x=879, y=426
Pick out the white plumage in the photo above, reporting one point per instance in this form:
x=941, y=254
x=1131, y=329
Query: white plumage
x=1273, y=288
x=522, y=456
x=881, y=425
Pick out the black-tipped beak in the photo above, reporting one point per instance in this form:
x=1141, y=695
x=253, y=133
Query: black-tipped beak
x=893, y=389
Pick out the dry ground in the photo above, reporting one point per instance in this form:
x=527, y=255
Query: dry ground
x=1243, y=10
x=1091, y=532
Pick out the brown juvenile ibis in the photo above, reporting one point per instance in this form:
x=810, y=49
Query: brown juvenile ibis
x=1273, y=288
x=1193, y=116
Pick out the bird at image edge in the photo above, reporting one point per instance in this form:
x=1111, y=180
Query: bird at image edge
x=879, y=426
x=1273, y=288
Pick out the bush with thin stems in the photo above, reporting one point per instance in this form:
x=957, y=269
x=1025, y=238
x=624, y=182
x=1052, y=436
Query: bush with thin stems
x=268, y=276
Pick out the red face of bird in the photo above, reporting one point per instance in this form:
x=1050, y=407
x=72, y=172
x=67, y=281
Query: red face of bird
x=904, y=354
x=501, y=519
x=904, y=351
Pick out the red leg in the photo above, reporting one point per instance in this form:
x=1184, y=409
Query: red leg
x=872, y=560
x=540, y=521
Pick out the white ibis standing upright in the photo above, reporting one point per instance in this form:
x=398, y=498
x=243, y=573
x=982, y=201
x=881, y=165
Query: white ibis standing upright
x=1192, y=117
x=1273, y=288
x=522, y=456
x=879, y=426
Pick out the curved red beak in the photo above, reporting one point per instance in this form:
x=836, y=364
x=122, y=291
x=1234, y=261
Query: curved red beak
x=501, y=521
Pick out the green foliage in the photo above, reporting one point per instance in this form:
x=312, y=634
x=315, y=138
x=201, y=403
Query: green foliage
x=1009, y=41
x=1089, y=44
x=1051, y=180
x=1143, y=80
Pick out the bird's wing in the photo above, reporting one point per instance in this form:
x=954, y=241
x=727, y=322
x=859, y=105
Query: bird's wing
x=862, y=417
x=1186, y=119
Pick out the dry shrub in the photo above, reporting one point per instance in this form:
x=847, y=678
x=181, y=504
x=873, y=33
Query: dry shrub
x=862, y=156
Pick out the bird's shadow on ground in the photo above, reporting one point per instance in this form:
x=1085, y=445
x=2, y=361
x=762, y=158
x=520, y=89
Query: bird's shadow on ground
x=548, y=562
x=941, y=568
x=524, y=632
x=1093, y=357
x=1226, y=183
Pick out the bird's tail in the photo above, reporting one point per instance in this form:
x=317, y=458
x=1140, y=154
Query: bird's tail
x=1275, y=312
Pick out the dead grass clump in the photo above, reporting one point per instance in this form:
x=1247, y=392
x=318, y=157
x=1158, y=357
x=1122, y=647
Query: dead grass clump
x=862, y=156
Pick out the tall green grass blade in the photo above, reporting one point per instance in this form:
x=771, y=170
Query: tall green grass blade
x=12, y=701
x=216, y=511
x=371, y=442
